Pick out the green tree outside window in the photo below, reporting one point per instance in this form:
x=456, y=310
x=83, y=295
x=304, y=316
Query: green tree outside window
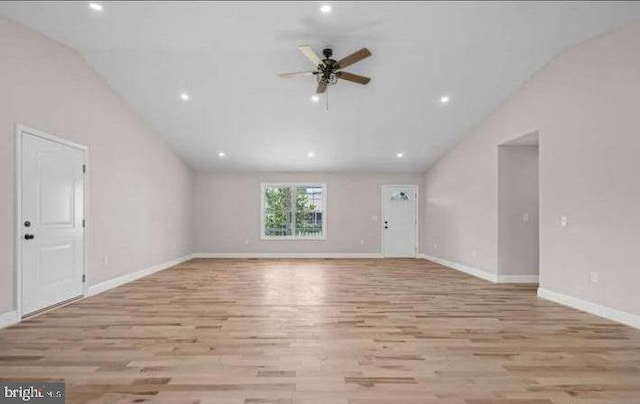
x=281, y=220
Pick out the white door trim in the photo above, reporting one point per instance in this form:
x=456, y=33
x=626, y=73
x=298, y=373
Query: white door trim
x=416, y=187
x=21, y=130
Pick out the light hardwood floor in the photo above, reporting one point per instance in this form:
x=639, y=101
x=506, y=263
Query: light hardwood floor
x=324, y=331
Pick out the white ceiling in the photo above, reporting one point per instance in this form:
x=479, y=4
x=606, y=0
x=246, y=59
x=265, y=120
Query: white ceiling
x=227, y=55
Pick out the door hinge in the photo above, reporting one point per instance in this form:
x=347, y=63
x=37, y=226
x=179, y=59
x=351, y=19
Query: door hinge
x=84, y=277
x=82, y=222
x=84, y=168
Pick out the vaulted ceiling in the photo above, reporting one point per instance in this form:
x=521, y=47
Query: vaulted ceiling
x=227, y=56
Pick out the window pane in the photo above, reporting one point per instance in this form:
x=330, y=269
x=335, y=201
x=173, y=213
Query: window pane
x=277, y=215
x=399, y=196
x=309, y=211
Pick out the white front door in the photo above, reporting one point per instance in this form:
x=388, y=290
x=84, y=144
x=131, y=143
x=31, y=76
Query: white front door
x=399, y=220
x=52, y=233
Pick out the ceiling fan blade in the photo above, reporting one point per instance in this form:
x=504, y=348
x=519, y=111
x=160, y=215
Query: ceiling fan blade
x=296, y=74
x=353, y=58
x=311, y=55
x=322, y=87
x=356, y=78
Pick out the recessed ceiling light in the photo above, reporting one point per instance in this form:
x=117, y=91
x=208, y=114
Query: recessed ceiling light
x=445, y=99
x=326, y=8
x=96, y=6
x=185, y=97
x=315, y=98
x=311, y=154
x=221, y=154
x=399, y=155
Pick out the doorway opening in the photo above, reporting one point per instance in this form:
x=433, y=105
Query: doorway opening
x=518, y=210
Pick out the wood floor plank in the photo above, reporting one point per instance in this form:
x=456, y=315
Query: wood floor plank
x=324, y=331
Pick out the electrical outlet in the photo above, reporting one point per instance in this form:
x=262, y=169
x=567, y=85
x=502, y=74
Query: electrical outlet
x=594, y=277
x=473, y=253
x=435, y=246
x=564, y=221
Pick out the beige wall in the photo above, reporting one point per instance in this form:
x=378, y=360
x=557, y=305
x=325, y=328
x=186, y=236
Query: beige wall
x=518, y=239
x=585, y=106
x=227, y=212
x=139, y=192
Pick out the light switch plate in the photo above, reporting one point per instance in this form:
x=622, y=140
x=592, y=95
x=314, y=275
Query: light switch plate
x=564, y=221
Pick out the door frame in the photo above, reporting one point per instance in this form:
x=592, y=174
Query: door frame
x=22, y=130
x=416, y=187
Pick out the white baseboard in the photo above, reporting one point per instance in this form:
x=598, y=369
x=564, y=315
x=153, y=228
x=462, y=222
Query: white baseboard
x=479, y=273
x=121, y=280
x=289, y=255
x=518, y=278
x=421, y=256
x=9, y=318
x=619, y=316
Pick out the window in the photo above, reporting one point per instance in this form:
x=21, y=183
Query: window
x=399, y=196
x=294, y=211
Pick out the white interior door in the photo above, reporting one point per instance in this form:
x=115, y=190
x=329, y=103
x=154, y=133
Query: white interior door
x=52, y=233
x=399, y=222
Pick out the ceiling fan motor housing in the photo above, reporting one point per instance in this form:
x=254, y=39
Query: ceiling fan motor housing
x=328, y=69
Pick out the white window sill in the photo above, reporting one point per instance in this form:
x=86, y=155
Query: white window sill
x=293, y=238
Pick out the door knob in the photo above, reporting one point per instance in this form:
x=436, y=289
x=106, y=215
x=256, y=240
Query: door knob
x=27, y=224
x=29, y=236
x=386, y=227
x=385, y=222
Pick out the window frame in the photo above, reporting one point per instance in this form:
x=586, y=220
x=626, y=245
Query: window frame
x=293, y=237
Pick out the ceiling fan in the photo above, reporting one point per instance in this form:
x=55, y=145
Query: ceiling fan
x=328, y=71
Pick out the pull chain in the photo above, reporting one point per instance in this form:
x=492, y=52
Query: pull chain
x=327, y=99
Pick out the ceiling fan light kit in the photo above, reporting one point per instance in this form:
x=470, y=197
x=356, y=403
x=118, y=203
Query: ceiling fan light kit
x=329, y=71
